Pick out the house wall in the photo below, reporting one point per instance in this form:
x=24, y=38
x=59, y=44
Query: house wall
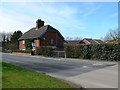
x=46, y=39
x=59, y=41
x=21, y=45
x=37, y=42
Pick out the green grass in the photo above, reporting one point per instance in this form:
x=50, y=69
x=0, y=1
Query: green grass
x=0, y=74
x=17, y=77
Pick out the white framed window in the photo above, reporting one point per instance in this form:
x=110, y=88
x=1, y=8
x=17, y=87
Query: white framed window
x=23, y=41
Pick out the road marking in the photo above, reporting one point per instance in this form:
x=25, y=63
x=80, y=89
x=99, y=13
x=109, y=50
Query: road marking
x=85, y=67
x=17, y=61
x=97, y=64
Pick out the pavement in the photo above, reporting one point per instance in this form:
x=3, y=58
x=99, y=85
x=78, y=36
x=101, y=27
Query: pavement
x=102, y=78
x=85, y=73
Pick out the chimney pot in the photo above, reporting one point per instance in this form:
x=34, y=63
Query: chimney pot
x=39, y=23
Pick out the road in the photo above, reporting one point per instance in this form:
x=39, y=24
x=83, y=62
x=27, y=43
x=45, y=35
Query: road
x=85, y=73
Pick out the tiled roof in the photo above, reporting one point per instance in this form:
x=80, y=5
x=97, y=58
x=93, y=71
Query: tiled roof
x=92, y=41
x=72, y=41
x=99, y=41
x=37, y=33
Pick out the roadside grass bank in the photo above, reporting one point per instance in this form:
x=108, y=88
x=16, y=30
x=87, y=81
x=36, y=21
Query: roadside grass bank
x=17, y=77
x=1, y=74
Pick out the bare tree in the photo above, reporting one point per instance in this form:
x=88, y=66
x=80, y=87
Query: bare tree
x=8, y=36
x=68, y=38
x=5, y=36
x=112, y=34
x=77, y=38
x=2, y=37
x=73, y=38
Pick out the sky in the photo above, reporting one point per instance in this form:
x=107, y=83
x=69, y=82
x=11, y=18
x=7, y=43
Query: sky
x=72, y=19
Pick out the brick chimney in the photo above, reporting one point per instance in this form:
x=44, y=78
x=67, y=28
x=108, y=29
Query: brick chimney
x=39, y=23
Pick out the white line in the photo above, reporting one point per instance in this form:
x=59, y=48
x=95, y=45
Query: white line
x=85, y=67
x=97, y=64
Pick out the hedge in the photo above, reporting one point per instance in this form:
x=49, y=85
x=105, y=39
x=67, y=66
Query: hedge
x=22, y=51
x=44, y=50
x=7, y=51
x=109, y=52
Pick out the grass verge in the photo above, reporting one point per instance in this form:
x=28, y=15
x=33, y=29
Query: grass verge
x=0, y=74
x=17, y=77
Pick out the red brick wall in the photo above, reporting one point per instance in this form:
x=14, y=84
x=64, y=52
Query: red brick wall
x=45, y=40
x=37, y=42
x=59, y=41
x=51, y=35
x=21, y=45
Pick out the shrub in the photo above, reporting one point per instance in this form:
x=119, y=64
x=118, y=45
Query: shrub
x=45, y=51
x=22, y=51
x=7, y=51
x=28, y=45
x=109, y=52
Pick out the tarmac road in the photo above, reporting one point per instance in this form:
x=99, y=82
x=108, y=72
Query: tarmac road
x=85, y=73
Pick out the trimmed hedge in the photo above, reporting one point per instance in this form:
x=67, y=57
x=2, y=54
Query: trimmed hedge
x=109, y=52
x=7, y=51
x=44, y=50
x=22, y=51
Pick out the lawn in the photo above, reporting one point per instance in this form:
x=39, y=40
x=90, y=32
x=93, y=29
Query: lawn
x=17, y=77
x=0, y=75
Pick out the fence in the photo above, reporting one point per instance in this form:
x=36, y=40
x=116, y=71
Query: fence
x=59, y=54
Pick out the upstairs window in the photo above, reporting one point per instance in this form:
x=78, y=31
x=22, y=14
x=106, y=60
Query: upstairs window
x=52, y=42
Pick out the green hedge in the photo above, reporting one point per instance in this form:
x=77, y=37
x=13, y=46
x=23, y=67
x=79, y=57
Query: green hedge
x=109, y=52
x=22, y=51
x=7, y=51
x=45, y=51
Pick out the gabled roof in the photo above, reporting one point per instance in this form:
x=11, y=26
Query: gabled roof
x=72, y=42
x=99, y=41
x=92, y=41
x=37, y=33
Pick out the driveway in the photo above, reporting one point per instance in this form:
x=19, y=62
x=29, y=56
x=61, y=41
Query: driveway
x=85, y=73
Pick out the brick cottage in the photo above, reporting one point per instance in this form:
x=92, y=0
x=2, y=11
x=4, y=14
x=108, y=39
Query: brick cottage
x=42, y=35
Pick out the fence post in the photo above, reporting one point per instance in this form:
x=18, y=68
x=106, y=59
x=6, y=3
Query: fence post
x=65, y=54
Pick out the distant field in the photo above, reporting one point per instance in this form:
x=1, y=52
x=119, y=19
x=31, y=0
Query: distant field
x=17, y=77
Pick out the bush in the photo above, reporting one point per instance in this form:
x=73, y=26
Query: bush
x=28, y=44
x=45, y=51
x=109, y=52
x=22, y=51
x=7, y=51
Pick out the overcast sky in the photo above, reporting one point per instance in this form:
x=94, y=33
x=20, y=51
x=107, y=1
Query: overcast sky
x=82, y=19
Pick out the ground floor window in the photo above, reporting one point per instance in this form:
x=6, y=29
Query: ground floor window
x=33, y=44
